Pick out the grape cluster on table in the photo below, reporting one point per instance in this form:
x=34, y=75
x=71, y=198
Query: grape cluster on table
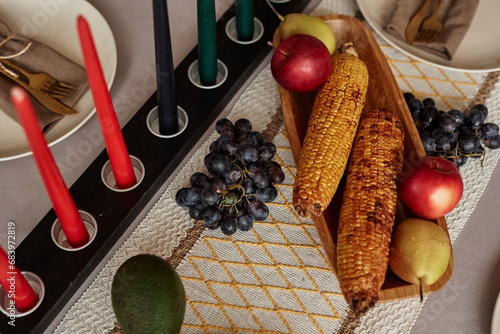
x=453, y=134
x=241, y=181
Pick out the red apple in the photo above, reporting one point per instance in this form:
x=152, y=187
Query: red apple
x=430, y=187
x=301, y=63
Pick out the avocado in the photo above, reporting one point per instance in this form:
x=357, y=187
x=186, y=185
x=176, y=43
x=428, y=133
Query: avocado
x=148, y=296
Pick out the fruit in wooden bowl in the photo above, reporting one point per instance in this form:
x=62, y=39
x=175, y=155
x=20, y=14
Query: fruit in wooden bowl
x=420, y=251
x=383, y=92
x=301, y=63
x=299, y=23
x=430, y=187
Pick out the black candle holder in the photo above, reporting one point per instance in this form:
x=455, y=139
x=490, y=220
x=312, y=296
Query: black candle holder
x=108, y=178
x=36, y=284
x=59, y=237
x=232, y=33
x=153, y=122
x=194, y=75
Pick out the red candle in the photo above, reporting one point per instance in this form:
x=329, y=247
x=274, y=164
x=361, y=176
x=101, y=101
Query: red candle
x=64, y=206
x=113, y=137
x=15, y=284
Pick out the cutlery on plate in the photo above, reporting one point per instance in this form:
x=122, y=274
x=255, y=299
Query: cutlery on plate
x=45, y=99
x=416, y=21
x=43, y=81
x=430, y=28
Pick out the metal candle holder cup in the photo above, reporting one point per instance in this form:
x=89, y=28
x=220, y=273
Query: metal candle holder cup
x=194, y=75
x=153, y=123
x=108, y=177
x=232, y=33
x=59, y=237
x=9, y=309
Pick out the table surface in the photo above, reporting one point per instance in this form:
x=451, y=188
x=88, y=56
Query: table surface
x=464, y=305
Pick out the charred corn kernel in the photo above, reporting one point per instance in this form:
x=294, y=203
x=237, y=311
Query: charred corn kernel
x=368, y=208
x=330, y=133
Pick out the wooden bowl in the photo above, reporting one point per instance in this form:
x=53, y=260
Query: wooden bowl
x=383, y=92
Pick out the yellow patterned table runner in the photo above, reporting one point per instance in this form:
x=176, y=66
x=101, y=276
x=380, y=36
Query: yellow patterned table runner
x=276, y=278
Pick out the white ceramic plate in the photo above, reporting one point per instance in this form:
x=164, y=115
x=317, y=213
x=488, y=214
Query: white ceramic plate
x=495, y=323
x=479, y=51
x=54, y=24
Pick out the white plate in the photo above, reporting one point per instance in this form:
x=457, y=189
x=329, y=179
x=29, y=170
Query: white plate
x=495, y=322
x=479, y=51
x=54, y=23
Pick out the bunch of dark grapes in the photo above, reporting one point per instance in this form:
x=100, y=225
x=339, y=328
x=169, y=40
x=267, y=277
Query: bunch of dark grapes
x=241, y=181
x=453, y=134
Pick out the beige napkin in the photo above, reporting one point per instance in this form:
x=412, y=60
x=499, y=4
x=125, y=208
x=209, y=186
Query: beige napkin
x=37, y=57
x=456, y=16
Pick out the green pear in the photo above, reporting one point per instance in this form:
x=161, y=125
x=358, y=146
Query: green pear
x=296, y=23
x=420, y=251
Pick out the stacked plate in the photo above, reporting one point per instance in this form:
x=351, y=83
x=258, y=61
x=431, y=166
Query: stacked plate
x=56, y=27
x=479, y=51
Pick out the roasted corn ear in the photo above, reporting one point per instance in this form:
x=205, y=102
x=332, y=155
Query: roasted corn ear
x=368, y=208
x=331, y=129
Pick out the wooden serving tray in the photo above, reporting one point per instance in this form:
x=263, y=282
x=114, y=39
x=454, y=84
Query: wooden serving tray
x=383, y=92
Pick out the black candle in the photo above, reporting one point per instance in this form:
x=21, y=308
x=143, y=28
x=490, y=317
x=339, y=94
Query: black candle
x=244, y=19
x=165, y=79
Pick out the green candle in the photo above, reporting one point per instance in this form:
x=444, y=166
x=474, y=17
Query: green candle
x=244, y=19
x=207, y=42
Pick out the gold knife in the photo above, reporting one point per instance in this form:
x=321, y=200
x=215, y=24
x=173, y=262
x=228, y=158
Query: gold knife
x=415, y=23
x=49, y=102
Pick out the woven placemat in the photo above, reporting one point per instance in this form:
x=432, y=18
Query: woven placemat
x=275, y=278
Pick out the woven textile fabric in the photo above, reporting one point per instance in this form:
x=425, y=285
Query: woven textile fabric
x=276, y=278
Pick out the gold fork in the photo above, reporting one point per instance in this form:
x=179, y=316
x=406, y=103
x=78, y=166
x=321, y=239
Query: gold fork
x=416, y=21
x=43, y=82
x=45, y=99
x=430, y=28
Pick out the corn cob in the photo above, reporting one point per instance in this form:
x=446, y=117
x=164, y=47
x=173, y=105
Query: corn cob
x=331, y=129
x=368, y=208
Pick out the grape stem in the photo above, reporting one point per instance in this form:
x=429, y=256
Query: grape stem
x=237, y=185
